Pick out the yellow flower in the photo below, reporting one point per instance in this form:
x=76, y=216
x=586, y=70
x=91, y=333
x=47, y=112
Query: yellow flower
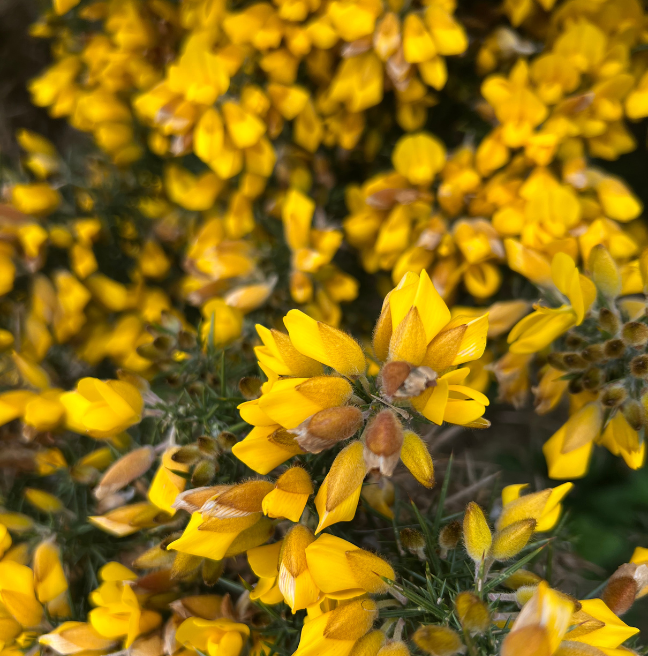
x=543, y=623
x=544, y=325
x=336, y=632
x=75, y=637
x=220, y=637
x=295, y=580
x=264, y=562
x=38, y=199
x=419, y=157
x=517, y=107
x=17, y=595
x=118, y=613
x=102, y=408
x=544, y=506
x=290, y=495
x=343, y=571
x=49, y=578
x=166, y=484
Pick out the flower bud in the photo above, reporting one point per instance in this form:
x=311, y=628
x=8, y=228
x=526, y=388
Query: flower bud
x=608, y=321
x=476, y=533
x=556, y=360
x=295, y=581
x=574, y=361
x=437, y=640
x=639, y=367
x=620, y=593
x=207, y=445
x=187, y=455
x=450, y=535
x=250, y=387
x=394, y=648
x=125, y=471
x=613, y=396
x=635, y=414
x=575, y=386
x=614, y=348
x=521, y=578
x=511, y=540
x=401, y=380
x=473, y=613
x=593, y=353
x=203, y=473
x=573, y=341
x=413, y=541
x=592, y=378
x=328, y=427
x=383, y=440
x=605, y=273
x=226, y=440
x=416, y=457
x=635, y=334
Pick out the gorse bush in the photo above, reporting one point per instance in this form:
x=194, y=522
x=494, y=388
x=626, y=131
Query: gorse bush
x=215, y=440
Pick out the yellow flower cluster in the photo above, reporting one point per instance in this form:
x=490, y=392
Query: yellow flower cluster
x=360, y=195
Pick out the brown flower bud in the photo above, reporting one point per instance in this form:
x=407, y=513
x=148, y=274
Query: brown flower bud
x=203, y=473
x=575, y=386
x=187, y=455
x=609, y=321
x=592, y=378
x=328, y=427
x=574, y=361
x=634, y=413
x=635, y=334
x=614, y=348
x=208, y=445
x=556, y=360
x=613, y=395
x=212, y=570
x=450, y=535
x=639, y=367
x=593, y=353
x=393, y=375
x=226, y=440
x=125, y=471
x=573, y=341
x=383, y=440
x=250, y=387
x=620, y=593
x=401, y=380
x=186, y=340
x=413, y=541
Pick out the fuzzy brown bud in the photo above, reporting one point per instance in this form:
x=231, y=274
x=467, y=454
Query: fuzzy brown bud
x=226, y=440
x=328, y=427
x=186, y=340
x=635, y=414
x=187, y=455
x=393, y=375
x=250, y=387
x=593, y=353
x=400, y=380
x=383, y=440
x=450, y=535
x=635, y=334
x=208, y=446
x=437, y=640
x=619, y=594
x=592, y=378
x=203, y=473
x=574, y=361
x=613, y=396
x=573, y=341
x=609, y=321
x=556, y=360
x=413, y=541
x=639, y=367
x=575, y=385
x=614, y=348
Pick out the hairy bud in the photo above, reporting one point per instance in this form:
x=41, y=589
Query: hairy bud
x=437, y=640
x=635, y=414
x=613, y=396
x=574, y=361
x=250, y=387
x=328, y=427
x=635, y=334
x=639, y=367
x=473, y=613
x=450, y=535
x=593, y=353
x=413, y=541
x=609, y=321
x=401, y=380
x=383, y=439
